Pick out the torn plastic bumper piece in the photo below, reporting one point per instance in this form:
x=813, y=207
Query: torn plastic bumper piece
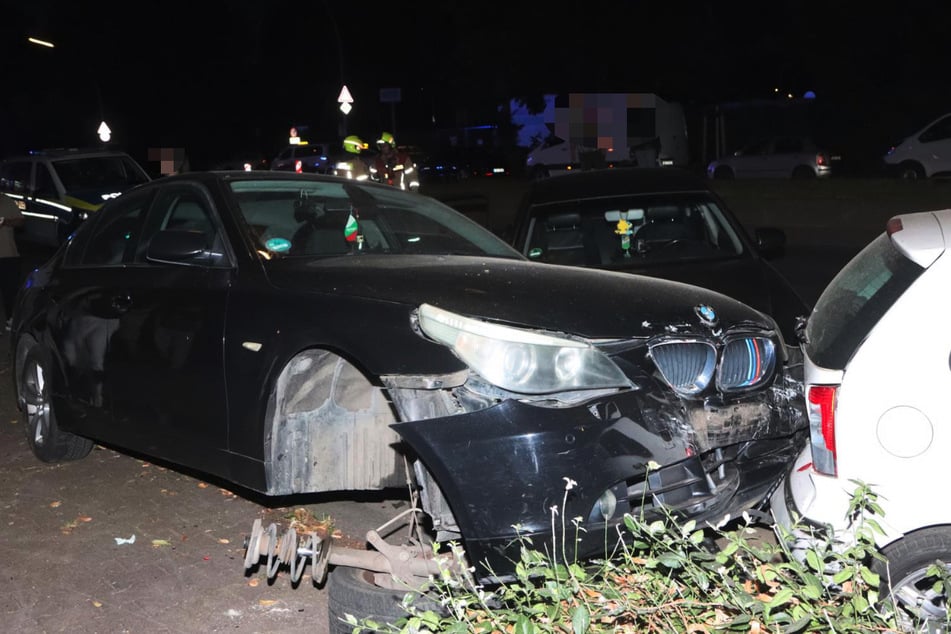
x=504, y=469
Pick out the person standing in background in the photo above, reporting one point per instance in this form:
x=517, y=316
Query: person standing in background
x=10, y=219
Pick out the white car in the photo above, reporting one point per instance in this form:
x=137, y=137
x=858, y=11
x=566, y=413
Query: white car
x=776, y=157
x=924, y=154
x=876, y=352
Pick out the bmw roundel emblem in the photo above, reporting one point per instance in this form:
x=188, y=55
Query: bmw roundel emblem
x=707, y=314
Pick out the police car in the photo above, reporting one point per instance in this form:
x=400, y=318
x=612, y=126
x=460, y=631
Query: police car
x=57, y=189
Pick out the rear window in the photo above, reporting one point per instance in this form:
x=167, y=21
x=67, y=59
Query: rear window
x=855, y=300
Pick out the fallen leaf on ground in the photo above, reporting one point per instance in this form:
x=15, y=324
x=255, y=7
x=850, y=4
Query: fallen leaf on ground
x=253, y=583
x=224, y=541
x=202, y=485
x=267, y=602
x=97, y=604
x=84, y=518
x=55, y=504
x=158, y=543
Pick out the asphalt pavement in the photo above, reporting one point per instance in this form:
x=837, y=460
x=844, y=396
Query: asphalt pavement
x=116, y=543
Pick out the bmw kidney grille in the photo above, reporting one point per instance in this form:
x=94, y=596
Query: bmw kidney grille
x=689, y=366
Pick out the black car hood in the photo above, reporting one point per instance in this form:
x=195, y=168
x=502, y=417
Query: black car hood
x=739, y=278
x=585, y=302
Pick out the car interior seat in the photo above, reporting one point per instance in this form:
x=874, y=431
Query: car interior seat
x=670, y=223
x=562, y=239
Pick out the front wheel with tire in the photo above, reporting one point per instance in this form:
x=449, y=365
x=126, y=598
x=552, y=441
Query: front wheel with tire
x=907, y=582
x=723, y=173
x=354, y=591
x=48, y=442
x=911, y=171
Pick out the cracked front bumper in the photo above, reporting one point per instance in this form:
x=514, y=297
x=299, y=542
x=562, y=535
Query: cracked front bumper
x=504, y=469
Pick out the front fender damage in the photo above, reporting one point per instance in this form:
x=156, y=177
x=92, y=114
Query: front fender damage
x=505, y=465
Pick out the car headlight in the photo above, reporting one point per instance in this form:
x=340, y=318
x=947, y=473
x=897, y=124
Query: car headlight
x=521, y=360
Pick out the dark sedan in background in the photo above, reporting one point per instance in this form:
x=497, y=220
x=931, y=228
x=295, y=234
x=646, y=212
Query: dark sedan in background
x=296, y=333
x=661, y=222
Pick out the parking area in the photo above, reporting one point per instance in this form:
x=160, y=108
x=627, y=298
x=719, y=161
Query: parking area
x=113, y=543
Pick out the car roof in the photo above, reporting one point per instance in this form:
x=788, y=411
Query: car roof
x=616, y=182
x=59, y=153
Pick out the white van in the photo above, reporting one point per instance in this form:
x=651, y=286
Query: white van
x=924, y=154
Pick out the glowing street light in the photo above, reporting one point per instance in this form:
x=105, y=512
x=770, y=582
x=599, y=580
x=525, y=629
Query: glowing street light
x=38, y=41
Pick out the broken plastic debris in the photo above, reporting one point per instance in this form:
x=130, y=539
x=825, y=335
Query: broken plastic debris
x=124, y=540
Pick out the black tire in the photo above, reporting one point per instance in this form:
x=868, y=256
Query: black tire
x=906, y=580
x=911, y=171
x=803, y=172
x=723, y=173
x=352, y=591
x=47, y=441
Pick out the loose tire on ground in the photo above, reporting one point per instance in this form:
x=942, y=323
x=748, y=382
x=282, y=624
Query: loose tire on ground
x=352, y=591
x=47, y=441
x=906, y=575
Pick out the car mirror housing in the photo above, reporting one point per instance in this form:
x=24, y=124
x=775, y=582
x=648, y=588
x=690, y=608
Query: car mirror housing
x=177, y=247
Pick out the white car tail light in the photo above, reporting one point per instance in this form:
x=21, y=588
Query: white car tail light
x=821, y=407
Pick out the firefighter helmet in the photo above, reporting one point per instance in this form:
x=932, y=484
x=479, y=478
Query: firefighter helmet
x=353, y=144
x=386, y=138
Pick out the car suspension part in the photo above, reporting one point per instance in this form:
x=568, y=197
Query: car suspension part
x=411, y=563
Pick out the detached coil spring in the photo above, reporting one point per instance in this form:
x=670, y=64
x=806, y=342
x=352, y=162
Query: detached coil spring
x=290, y=549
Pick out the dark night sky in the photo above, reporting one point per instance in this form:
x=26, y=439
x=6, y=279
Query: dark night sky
x=218, y=76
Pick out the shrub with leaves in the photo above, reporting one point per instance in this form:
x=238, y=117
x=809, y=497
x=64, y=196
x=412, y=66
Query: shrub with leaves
x=667, y=577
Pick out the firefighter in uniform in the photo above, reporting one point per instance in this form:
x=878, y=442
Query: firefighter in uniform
x=353, y=167
x=393, y=166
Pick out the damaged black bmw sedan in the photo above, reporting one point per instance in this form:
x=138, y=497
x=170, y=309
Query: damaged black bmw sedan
x=298, y=333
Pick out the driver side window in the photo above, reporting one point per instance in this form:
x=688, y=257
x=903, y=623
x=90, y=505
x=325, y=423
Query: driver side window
x=113, y=236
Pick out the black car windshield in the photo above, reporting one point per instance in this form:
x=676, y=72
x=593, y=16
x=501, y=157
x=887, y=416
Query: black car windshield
x=339, y=217
x=118, y=172
x=855, y=300
x=630, y=231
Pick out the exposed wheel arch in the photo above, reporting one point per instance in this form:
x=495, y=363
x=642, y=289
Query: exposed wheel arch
x=327, y=428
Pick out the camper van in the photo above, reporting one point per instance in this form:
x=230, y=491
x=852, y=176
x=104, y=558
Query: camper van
x=592, y=130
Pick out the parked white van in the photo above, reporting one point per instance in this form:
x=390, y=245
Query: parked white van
x=924, y=154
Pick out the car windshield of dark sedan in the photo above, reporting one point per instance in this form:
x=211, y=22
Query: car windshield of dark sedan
x=332, y=218
x=630, y=231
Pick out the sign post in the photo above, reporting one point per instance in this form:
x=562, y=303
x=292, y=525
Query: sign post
x=345, y=99
x=391, y=96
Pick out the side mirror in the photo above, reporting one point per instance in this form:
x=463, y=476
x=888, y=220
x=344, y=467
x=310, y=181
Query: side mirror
x=770, y=242
x=177, y=247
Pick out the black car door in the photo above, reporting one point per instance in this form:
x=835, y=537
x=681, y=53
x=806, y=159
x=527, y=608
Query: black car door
x=164, y=362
